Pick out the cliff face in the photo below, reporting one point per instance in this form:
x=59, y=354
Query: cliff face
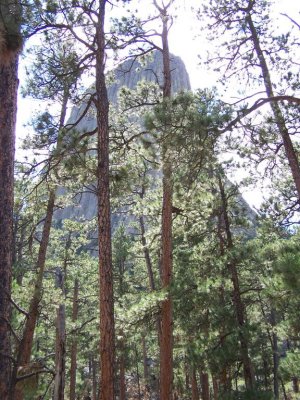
x=127, y=74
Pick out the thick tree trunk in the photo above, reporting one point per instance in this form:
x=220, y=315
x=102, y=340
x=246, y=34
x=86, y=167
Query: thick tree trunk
x=278, y=116
x=73, y=367
x=107, y=336
x=60, y=354
x=204, y=385
x=8, y=110
x=237, y=300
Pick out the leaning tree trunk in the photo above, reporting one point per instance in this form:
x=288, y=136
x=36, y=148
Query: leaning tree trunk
x=107, y=336
x=9, y=48
x=278, y=116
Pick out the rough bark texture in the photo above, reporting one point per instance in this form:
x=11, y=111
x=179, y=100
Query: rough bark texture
x=204, y=385
x=215, y=388
x=73, y=367
x=166, y=332
x=278, y=116
x=8, y=109
x=60, y=354
x=107, y=339
x=237, y=300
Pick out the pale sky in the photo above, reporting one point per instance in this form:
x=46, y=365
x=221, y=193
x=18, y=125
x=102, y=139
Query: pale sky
x=185, y=40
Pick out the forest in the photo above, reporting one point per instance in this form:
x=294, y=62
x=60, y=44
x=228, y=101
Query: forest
x=131, y=266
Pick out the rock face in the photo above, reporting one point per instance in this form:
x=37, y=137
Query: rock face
x=127, y=74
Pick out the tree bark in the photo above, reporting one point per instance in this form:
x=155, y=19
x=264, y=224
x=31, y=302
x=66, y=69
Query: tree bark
x=195, y=391
x=166, y=331
x=25, y=347
x=237, y=300
x=8, y=109
x=278, y=116
x=107, y=337
x=275, y=354
x=73, y=367
x=60, y=354
x=204, y=385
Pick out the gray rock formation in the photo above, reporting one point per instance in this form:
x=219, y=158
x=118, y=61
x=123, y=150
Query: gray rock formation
x=127, y=74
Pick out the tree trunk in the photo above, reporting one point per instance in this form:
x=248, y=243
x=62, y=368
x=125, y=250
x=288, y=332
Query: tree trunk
x=275, y=354
x=237, y=300
x=278, y=116
x=8, y=109
x=122, y=383
x=166, y=331
x=195, y=391
x=94, y=384
x=215, y=388
x=60, y=354
x=145, y=364
x=73, y=367
x=204, y=385
x=25, y=347
x=107, y=336
x=295, y=385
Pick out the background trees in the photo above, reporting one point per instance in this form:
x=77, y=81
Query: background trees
x=230, y=309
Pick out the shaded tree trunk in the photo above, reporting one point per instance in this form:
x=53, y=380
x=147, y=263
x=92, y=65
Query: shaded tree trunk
x=8, y=109
x=107, y=336
x=204, y=385
x=73, y=367
x=275, y=355
x=60, y=354
x=215, y=388
x=195, y=391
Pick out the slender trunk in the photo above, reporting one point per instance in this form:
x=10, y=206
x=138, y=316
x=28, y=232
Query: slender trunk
x=195, y=391
x=8, y=109
x=60, y=354
x=278, y=116
x=295, y=382
x=215, y=388
x=275, y=354
x=166, y=331
x=122, y=383
x=147, y=253
x=107, y=336
x=145, y=364
x=237, y=300
x=204, y=385
x=73, y=367
x=94, y=383
x=25, y=347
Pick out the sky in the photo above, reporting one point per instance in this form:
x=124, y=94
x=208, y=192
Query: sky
x=185, y=40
